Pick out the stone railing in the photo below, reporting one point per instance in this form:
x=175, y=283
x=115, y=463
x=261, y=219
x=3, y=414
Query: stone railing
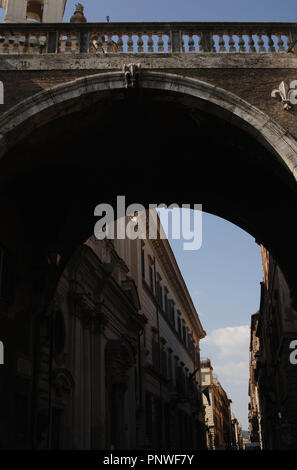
x=148, y=38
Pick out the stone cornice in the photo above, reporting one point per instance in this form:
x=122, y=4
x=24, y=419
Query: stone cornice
x=161, y=61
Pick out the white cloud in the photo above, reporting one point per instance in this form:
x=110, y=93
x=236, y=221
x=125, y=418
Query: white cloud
x=230, y=342
x=233, y=372
x=228, y=349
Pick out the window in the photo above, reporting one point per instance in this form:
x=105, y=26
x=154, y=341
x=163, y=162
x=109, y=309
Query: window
x=161, y=297
x=151, y=278
x=184, y=333
x=203, y=378
x=34, y=10
x=171, y=312
x=166, y=306
x=180, y=381
x=159, y=291
x=155, y=354
x=191, y=345
x=164, y=362
x=142, y=262
x=169, y=367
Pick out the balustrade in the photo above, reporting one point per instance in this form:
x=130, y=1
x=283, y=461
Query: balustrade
x=147, y=38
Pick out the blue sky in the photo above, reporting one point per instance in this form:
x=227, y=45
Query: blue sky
x=187, y=10
x=223, y=277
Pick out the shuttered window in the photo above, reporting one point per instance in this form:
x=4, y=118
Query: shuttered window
x=156, y=354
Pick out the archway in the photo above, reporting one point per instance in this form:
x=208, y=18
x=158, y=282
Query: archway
x=50, y=115
x=172, y=139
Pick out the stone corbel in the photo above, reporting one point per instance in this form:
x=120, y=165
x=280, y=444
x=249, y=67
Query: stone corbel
x=287, y=94
x=131, y=75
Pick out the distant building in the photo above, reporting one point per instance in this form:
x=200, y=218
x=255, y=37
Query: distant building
x=273, y=378
x=237, y=436
x=255, y=416
x=217, y=410
x=42, y=11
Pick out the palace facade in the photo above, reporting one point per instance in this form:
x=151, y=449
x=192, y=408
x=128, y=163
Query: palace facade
x=118, y=362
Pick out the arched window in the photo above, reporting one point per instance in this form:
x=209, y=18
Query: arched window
x=35, y=10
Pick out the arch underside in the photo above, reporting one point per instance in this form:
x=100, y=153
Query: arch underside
x=172, y=139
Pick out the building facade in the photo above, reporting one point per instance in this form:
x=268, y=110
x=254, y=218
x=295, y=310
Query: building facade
x=217, y=410
x=117, y=359
x=255, y=416
x=273, y=377
x=43, y=11
x=237, y=439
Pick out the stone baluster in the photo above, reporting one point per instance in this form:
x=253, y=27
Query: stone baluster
x=183, y=44
x=120, y=43
x=42, y=42
x=6, y=43
x=261, y=44
x=98, y=43
x=160, y=43
x=271, y=47
x=150, y=43
x=68, y=44
x=241, y=43
x=169, y=43
x=232, y=47
x=109, y=43
x=251, y=43
x=191, y=43
x=130, y=43
x=16, y=43
x=140, y=43
x=34, y=39
x=24, y=41
x=200, y=43
x=280, y=43
x=222, y=44
x=212, y=42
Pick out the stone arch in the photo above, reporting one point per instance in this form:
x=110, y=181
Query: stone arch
x=48, y=105
x=64, y=101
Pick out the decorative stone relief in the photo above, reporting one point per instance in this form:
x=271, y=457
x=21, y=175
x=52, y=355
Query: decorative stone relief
x=287, y=94
x=119, y=358
x=131, y=74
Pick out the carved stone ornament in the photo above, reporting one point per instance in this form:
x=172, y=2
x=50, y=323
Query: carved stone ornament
x=131, y=74
x=287, y=94
x=78, y=16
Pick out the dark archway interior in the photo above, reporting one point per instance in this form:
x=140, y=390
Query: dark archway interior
x=151, y=147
